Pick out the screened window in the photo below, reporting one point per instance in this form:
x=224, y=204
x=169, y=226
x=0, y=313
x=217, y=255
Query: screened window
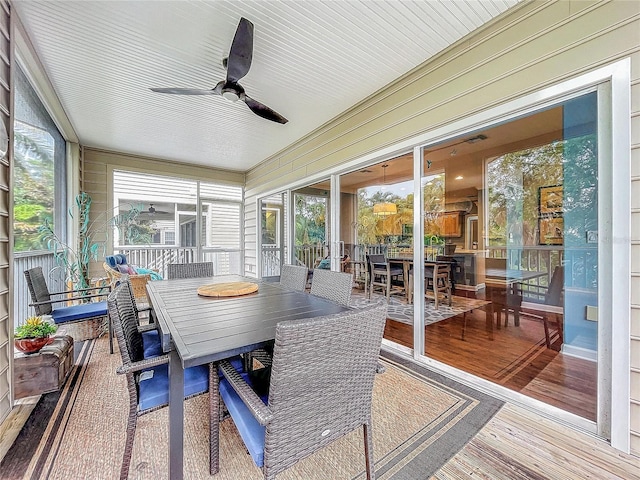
x=39, y=169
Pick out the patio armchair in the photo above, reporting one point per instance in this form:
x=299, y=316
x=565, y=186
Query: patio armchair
x=116, y=267
x=82, y=321
x=189, y=270
x=293, y=277
x=148, y=391
x=152, y=345
x=321, y=389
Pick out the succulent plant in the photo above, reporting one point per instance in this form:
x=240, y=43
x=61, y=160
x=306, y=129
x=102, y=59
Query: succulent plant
x=35, y=327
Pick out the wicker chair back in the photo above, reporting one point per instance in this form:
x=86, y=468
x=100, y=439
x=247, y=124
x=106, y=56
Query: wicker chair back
x=124, y=319
x=189, y=270
x=322, y=384
x=38, y=290
x=294, y=277
x=331, y=285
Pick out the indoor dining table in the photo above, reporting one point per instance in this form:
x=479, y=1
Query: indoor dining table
x=197, y=330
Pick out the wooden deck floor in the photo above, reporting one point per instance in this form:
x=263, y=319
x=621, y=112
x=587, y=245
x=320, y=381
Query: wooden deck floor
x=517, y=444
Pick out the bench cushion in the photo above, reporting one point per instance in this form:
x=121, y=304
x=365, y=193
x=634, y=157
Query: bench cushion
x=84, y=311
x=154, y=391
x=250, y=430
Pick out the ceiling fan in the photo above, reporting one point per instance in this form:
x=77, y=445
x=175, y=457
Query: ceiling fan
x=237, y=64
x=152, y=210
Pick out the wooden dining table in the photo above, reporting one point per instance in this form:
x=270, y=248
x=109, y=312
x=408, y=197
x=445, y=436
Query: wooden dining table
x=197, y=330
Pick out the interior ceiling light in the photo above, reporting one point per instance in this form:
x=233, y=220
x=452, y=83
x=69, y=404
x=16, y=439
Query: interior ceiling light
x=387, y=208
x=459, y=177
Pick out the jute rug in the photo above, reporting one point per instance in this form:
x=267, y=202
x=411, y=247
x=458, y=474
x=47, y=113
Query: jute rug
x=420, y=420
x=400, y=311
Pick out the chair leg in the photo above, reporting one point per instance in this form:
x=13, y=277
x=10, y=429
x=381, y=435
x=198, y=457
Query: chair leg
x=128, y=444
x=464, y=324
x=546, y=331
x=388, y=287
x=110, y=328
x=368, y=451
x=214, y=419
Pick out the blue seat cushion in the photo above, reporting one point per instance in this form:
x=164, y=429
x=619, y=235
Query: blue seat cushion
x=324, y=264
x=250, y=430
x=151, y=344
x=154, y=391
x=79, y=312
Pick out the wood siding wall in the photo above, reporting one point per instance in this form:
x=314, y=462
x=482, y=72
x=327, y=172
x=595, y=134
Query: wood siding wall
x=95, y=166
x=6, y=216
x=529, y=48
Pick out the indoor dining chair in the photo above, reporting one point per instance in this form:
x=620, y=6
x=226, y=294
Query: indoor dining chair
x=189, y=270
x=384, y=274
x=321, y=389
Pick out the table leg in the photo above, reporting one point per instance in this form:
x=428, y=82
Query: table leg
x=176, y=416
x=214, y=419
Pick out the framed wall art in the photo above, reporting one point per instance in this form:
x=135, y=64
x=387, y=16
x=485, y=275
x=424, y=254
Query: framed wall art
x=551, y=230
x=550, y=200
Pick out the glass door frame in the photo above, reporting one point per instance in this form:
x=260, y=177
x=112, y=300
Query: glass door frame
x=613, y=84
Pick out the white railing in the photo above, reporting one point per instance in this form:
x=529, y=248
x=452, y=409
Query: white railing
x=25, y=261
x=157, y=258
x=270, y=261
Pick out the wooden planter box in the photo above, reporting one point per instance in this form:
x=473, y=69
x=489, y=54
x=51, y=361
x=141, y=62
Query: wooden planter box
x=45, y=371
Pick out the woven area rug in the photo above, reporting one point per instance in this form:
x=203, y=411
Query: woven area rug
x=399, y=310
x=420, y=420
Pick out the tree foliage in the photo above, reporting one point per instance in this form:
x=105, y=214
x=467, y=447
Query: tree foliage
x=33, y=187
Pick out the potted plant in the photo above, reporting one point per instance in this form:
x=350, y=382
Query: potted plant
x=75, y=257
x=33, y=335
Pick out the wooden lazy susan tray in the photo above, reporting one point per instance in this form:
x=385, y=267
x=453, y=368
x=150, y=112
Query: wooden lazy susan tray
x=227, y=289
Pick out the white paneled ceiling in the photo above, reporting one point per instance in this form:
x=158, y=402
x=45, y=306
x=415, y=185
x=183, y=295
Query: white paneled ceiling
x=312, y=60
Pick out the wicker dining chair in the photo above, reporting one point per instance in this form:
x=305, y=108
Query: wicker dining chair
x=189, y=270
x=321, y=389
x=81, y=321
x=336, y=286
x=150, y=335
x=148, y=393
x=294, y=277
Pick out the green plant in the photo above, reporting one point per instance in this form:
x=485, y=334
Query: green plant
x=76, y=260
x=35, y=327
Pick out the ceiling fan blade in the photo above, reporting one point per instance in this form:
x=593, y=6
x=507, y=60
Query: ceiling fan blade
x=263, y=111
x=186, y=91
x=241, y=52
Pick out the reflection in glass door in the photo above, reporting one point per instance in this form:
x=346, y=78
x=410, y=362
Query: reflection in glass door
x=272, y=234
x=525, y=277
x=311, y=225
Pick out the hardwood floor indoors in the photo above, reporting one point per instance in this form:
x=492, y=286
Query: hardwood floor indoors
x=514, y=357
